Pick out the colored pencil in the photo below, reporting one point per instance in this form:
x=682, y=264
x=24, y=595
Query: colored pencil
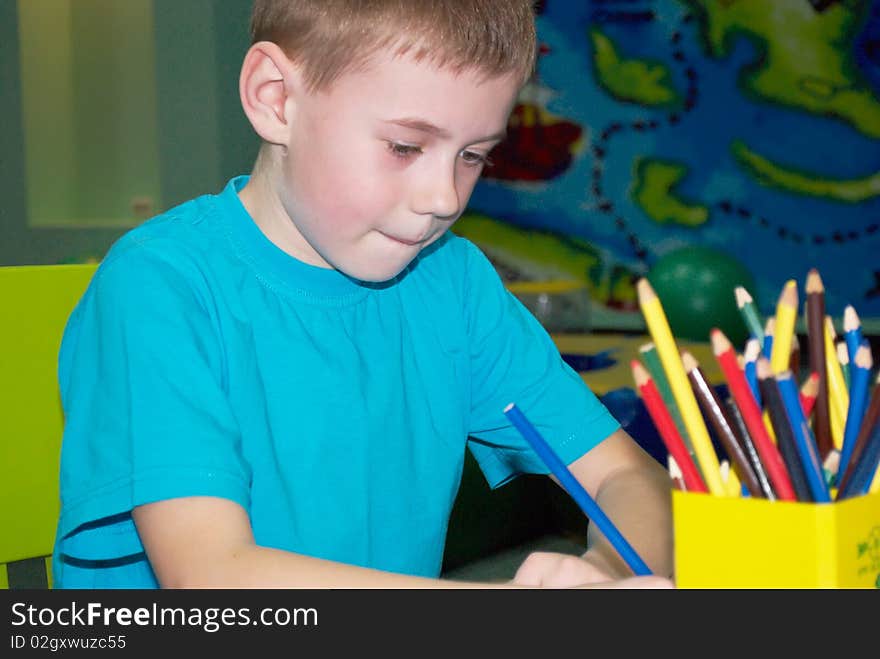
x=769, y=329
x=675, y=474
x=838, y=397
x=805, y=442
x=750, y=355
x=794, y=359
x=745, y=440
x=713, y=409
x=651, y=360
x=749, y=312
x=658, y=326
x=871, y=416
x=864, y=468
x=843, y=359
x=852, y=332
x=808, y=391
x=647, y=388
x=783, y=334
x=576, y=490
x=751, y=413
x=858, y=399
x=815, y=312
x=785, y=439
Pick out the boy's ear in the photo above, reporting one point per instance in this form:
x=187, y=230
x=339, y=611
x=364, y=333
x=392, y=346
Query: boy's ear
x=268, y=85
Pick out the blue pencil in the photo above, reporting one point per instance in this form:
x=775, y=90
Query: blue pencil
x=750, y=355
x=805, y=442
x=576, y=490
x=852, y=334
x=858, y=399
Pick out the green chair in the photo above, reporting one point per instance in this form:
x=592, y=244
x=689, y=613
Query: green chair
x=35, y=302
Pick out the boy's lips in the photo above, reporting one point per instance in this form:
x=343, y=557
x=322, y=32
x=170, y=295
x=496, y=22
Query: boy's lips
x=404, y=241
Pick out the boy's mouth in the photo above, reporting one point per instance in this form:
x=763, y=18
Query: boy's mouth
x=403, y=241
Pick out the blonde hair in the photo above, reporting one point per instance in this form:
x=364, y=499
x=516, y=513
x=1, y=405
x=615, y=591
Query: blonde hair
x=330, y=37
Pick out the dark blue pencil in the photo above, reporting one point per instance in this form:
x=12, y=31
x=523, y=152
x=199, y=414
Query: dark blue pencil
x=864, y=468
x=576, y=490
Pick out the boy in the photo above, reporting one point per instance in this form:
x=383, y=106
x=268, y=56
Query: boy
x=275, y=386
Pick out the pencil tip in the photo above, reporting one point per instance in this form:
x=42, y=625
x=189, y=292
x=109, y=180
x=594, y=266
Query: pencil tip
x=688, y=361
x=508, y=407
x=644, y=290
x=742, y=296
x=814, y=282
x=850, y=319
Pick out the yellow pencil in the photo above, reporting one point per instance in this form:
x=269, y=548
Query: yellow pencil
x=838, y=395
x=783, y=333
x=658, y=326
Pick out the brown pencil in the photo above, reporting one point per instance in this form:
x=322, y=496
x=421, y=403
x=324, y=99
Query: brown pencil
x=748, y=445
x=708, y=399
x=815, y=309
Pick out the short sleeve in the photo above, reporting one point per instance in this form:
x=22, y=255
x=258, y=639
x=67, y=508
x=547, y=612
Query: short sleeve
x=514, y=360
x=141, y=373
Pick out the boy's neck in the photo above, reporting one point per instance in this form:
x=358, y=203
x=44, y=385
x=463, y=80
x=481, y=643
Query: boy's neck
x=262, y=203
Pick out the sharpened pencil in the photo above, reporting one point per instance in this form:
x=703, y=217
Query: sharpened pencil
x=647, y=388
x=576, y=490
x=808, y=392
x=843, y=358
x=815, y=311
x=838, y=396
x=852, y=332
x=751, y=413
x=749, y=312
x=748, y=446
x=783, y=334
x=782, y=424
x=651, y=360
x=714, y=410
x=805, y=443
x=858, y=399
x=750, y=356
x=658, y=326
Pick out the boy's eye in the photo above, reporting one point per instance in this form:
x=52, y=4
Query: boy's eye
x=474, y=158
x=403, y=150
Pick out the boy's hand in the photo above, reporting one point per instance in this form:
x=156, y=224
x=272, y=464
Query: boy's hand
x=552, y=570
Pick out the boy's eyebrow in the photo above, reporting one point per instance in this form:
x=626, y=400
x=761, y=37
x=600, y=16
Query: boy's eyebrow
x=427, y=127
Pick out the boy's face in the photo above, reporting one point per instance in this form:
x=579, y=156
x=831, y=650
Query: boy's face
x=382, y=163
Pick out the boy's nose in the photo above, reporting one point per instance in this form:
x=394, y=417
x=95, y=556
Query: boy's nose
x=437, y=195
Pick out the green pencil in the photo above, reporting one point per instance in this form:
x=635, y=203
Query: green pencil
x=749, y=312
x=651, y=358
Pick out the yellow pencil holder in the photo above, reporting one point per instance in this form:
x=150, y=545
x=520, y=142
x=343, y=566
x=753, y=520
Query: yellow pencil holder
x=723, y=542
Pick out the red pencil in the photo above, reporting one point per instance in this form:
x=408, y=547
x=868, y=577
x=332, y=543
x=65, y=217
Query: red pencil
x=693, y=481
x=751, y=413
x=808, y=392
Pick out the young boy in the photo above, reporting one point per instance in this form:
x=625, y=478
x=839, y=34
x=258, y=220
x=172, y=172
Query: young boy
x=275, y=386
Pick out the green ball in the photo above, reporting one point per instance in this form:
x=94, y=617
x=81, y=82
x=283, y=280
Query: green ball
x=696, y=286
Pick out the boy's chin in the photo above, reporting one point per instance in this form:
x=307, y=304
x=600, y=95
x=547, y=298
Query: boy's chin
x=375, y=273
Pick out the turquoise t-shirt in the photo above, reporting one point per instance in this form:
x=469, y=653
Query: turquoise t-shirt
x=204, y=361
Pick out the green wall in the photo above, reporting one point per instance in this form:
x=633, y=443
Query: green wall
x=178, y=130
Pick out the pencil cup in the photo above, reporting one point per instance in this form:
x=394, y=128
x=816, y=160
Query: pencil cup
x=727, y=542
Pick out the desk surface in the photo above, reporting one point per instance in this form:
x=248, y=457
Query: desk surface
x=625, y=348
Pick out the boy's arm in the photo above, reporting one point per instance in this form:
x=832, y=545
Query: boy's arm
x=207, y=542
x=634, y=491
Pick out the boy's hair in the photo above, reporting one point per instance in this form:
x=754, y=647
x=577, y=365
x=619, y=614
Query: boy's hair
x=330, y=37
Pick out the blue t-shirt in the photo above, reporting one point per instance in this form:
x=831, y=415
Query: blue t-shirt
x=204, y=361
